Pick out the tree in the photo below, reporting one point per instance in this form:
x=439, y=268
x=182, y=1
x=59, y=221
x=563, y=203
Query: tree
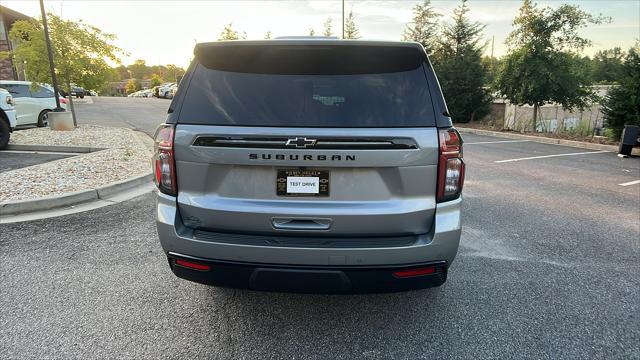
x=80, y=51
x=312, y=32
x=622, y=104
x=132, y=86
x=607, y=66
x=350, y=28
x=327, y=28
x=267, y=36
x=424, y=27
x=540, y=66
x=458, y=63
x=174, y=72
x=155, y=80
x=228, y=33
x=490, y=66
x=138, y=69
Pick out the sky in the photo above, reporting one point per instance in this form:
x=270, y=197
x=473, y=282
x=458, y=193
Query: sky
x=165, y=31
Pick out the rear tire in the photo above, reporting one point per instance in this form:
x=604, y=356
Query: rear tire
x=43, y=118
x=4, y=133
x=626, y=149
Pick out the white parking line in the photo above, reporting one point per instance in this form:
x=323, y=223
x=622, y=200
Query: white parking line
x=549, y=156
x=630, y=183
x=495, y=142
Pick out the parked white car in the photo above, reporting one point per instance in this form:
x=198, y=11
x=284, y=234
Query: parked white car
x=164, y=90
x=32, y=101
x=7, y=117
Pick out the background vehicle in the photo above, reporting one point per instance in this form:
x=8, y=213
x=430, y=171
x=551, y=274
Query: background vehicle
x=172, y=91
x=78, y=92
x=327, y=166
x=7, y=117
x=32, y=101
x=164, y=90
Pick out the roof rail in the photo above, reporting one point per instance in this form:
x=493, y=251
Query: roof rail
x=306, y=38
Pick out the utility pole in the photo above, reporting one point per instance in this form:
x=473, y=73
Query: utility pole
x=54, y=79
x=493, y=39
x=342, y=19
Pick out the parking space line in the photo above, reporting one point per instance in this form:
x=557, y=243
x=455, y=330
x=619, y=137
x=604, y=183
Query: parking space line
x=495, y=142
x=550, y=156
x=630, y=183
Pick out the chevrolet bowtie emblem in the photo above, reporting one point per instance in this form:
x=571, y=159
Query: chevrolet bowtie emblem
x=301, y=142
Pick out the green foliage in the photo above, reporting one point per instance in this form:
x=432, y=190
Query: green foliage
x=228, y=33
x=132, y=86
x=170, y=72
x=80, y=51
x=350, y=28
x=490, y=65
x=267, y=36
x=424, y=27
x=611, y=134
x=312, y=32
x=156, y=80
x=542, y=65
x=606, y=66
x=457, y=61
x=536, y=79
x=622, y=104
x=327, y=28
x=140, y=70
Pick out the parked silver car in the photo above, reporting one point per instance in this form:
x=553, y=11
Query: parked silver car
x=326, y=166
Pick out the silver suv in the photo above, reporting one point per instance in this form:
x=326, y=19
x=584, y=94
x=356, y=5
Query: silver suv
x=309, y=166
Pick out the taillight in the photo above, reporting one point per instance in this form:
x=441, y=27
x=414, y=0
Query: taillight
x=450, y=166
x=164, y=167
x=64, y=101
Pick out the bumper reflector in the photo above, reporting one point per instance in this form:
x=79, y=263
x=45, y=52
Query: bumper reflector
x=192, y=265
x=415, y=272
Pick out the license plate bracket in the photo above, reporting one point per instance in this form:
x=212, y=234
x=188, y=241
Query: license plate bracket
x=302, y=182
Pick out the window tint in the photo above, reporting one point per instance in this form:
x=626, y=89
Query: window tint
x=306, y=94
x=17, y=90
x=42, y=92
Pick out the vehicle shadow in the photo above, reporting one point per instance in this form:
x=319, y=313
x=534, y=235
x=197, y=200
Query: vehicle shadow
x=324, y=326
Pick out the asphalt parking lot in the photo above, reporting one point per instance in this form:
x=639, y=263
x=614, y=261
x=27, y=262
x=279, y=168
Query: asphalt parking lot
x=142, y=114
x=547, y=268
x=11, y=160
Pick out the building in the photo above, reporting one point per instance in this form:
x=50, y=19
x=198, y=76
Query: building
x=552, y=118
x=9, y=70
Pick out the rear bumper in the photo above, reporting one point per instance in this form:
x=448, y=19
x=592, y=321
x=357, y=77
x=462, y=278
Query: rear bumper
x=306, y=279
x=439, y=246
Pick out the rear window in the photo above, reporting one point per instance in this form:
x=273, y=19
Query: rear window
x=17, y=90
x=308, y=86
x=42, y=92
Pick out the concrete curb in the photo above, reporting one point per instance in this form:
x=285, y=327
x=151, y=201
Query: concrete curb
x=71, y=199
x=120, y=186
x=52, y=148
x=544, y=140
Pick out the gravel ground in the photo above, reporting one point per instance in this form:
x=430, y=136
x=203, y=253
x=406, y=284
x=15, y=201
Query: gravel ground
x=126, y=154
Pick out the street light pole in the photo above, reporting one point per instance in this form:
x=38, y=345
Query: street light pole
x=342, y=18
x=54, y=79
